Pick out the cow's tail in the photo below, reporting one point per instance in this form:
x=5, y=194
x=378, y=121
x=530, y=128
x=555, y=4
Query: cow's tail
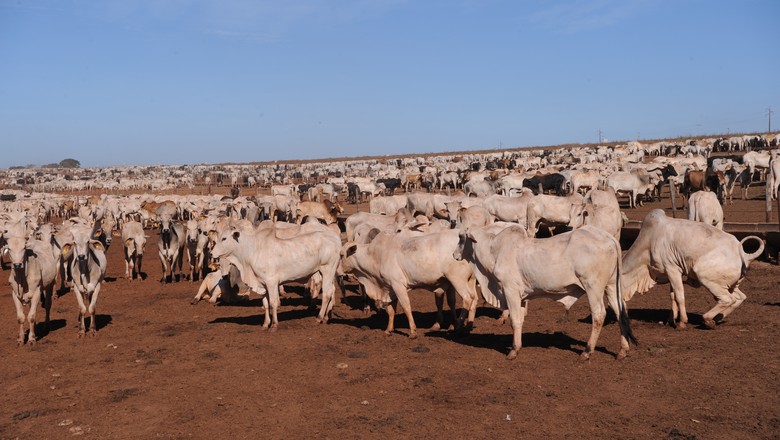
x=622, y=312
x=748, y=258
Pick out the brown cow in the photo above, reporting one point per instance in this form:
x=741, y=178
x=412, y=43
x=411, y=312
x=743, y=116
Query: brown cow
x=326, y=211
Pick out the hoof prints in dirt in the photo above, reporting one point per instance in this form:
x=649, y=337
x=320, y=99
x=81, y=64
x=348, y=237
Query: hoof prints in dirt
x=675, y=434
x=27, y=414
x=122, y=394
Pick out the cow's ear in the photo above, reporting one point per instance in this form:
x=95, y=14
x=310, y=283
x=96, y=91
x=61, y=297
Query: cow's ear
x=236, y=235
x=96, y=245
x=128, y=242
x=373, y=233
x=350, y=249
x=67, y=250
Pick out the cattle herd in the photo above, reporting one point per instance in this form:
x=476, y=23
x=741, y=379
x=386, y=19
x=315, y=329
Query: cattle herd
x=475, y=226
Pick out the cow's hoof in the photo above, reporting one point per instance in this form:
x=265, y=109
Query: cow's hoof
x=273, y=328
x=436, y=327
x=93, y=333
x=81, y=334
x=681, y=326
x=19, y=343
x=194, y=301
x=621, y=355
x=31, y=341
x=512, y=354
x=710, y=323
x=413, y=335
x=388, y=332
x=585, y=356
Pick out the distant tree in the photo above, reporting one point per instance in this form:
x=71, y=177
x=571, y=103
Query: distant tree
x=70, y=163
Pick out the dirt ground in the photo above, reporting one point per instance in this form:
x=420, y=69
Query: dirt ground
x=162, y=368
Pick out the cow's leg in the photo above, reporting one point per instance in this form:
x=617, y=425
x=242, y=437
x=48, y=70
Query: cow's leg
x=598, y=313
x=128, y=266
x=516, y=318
x=503, y=318
x=726, y=303
x=328, y=296
x=267, y=314
x=164, y=264
x=675, y=279
x=613, y=299
x=452, y=304
x=82, y=312
x=34, y=300
x=467, y=290
x=439, y=324
x=20, y=318
x=180, y=260
x=92, y=308
x=47, y=305
x=403, y=299
x=390, y=308
x=273, y=302
x=204, y=287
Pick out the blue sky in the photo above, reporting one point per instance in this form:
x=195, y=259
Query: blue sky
x=124, y=82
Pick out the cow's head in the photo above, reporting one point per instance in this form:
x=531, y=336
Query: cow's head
x=192, y=232
x=578, y=215
x=17, y=250
x=80, y=247
x=226, y=244
x=348, y=262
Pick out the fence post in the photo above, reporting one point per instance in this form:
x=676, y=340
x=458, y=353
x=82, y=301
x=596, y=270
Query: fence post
x=769, y=184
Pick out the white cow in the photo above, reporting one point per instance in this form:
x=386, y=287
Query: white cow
x=671, y=249
x=550, y=210
x=264, y=261
x=392, y=264
x=170, y=247
x=563, y=268
x=33, y=271
x=599, y=209
x=509, y=209
x=387, y=205
x=703, y=206
x=134, y=241
x=87, y=262
x=636, y=183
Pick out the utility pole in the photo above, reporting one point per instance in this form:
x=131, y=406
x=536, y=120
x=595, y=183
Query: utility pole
x=769, y=116
x=600, y=136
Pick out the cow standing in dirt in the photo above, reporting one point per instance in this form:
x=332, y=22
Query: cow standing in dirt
x=170, y=247
x=33, y=272
x=87, y=261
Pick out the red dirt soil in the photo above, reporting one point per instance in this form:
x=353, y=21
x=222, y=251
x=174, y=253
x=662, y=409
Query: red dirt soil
x=162, y=368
